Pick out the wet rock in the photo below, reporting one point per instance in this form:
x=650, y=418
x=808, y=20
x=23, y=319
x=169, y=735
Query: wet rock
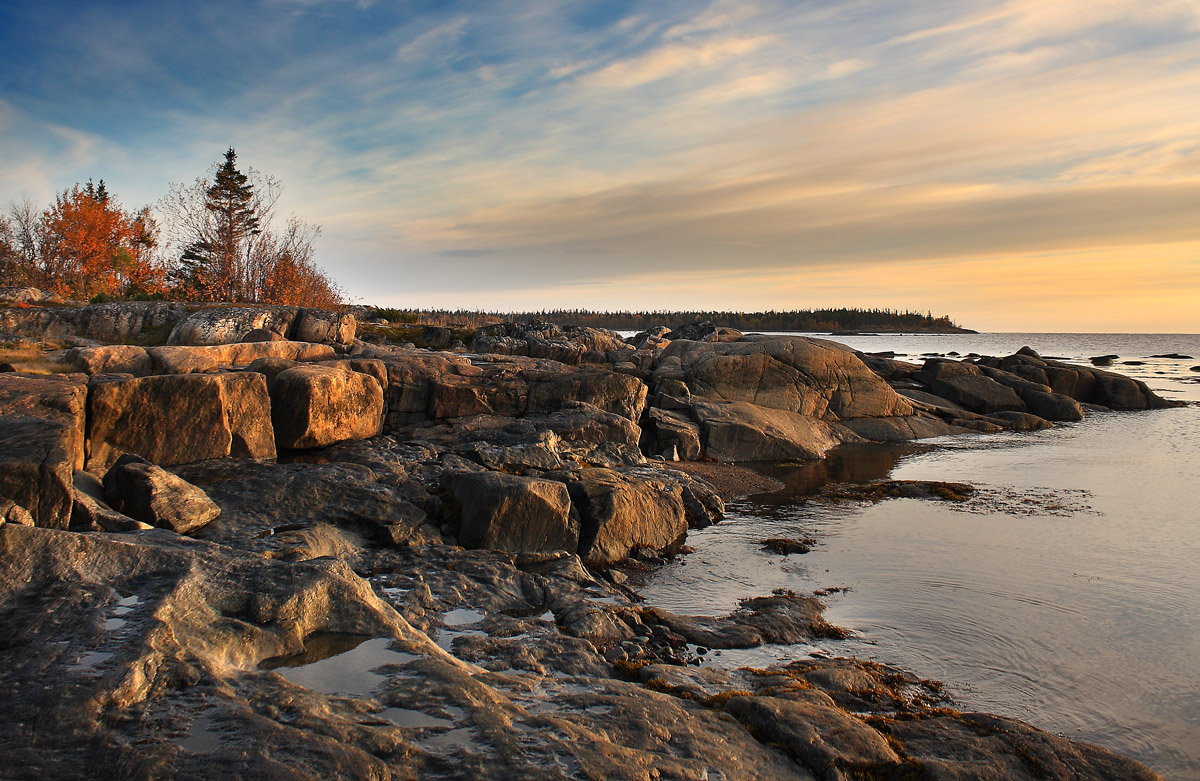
x=176, y=419
x=954, y=745
x=516, y=514
x=826, y=740
x=1174, y=356
x=151, y=494
x=784, y=617
x=41, y=443
x=317, y=405
x=899, y=489
x=786, y=546
x=1024, y=421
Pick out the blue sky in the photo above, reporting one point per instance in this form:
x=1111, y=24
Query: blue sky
x=1014, y=164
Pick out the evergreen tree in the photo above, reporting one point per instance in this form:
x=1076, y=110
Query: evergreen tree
x=217, y=263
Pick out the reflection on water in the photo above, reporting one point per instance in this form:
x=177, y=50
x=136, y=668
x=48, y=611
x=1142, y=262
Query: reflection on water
x=336, y=663
x=1073, y=602
x=847, y=464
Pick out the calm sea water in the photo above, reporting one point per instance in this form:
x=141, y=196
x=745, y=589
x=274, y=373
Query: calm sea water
x=1066, y=593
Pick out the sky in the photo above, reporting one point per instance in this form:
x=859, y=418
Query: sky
x=1014, y=164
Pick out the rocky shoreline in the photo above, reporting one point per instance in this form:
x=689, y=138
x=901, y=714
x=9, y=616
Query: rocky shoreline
x=331, y=557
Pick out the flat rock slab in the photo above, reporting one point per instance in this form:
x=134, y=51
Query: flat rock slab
x=41, y=443
x=179, y=418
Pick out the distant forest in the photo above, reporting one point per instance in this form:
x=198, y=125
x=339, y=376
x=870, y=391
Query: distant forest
x=818, y=320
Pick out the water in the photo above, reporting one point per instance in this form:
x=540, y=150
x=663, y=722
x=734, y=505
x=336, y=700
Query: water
x=1066, y=594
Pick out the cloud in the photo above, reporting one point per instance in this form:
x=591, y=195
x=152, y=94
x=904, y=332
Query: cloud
x=671, y=60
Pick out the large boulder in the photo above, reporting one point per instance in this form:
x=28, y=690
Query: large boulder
x=178, y=418
x=319, y=404
x=622, y=513
x=324, y=326
x=512, y=513
x=225, y=325
x=113, y=359
x=739, y=431
x=41, y=443
x=144, y=322
x=978, y=393
x=673, y=432
x=810, y=377
x=151, y=494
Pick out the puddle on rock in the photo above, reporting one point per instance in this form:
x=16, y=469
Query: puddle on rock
x=405, y=717
x=91, y=660
x=335, y=663
x=462, y=616
x=455, y=741
x=201, y=737
x=762, y=656
x=126, y=605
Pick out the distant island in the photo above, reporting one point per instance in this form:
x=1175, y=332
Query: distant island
x=804, y=320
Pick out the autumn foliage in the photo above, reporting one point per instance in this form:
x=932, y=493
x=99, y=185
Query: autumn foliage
x=84, y=245
x=217, y=242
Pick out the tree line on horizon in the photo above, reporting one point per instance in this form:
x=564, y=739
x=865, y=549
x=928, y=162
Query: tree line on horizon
x=215, y=239
x=805, y=320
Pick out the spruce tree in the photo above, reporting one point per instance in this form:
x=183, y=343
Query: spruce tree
x=215, y=264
